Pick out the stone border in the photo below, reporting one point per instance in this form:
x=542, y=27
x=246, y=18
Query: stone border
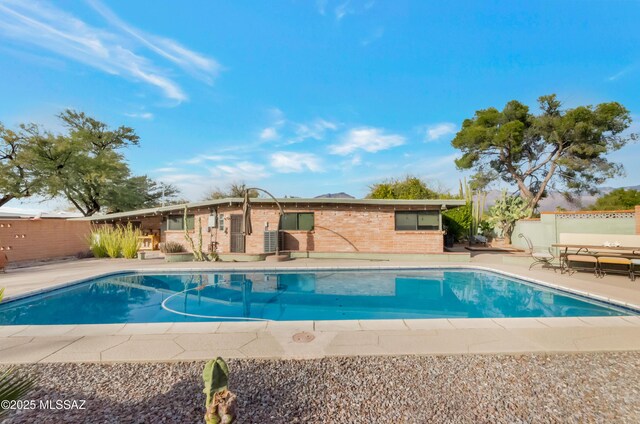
x=164, y=342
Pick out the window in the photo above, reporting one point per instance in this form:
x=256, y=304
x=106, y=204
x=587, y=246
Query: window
x=297, y=221
x=418, y=220
x=176, y=222
x=221, y=222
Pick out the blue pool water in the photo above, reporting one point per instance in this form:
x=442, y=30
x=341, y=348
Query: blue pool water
x=321, y=295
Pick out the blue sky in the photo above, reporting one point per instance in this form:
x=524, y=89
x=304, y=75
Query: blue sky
x=308, y=97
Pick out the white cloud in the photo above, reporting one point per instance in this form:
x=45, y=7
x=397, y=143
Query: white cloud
x=343, y=10
x=622, y=73
x=179, y=178
x=207, y=158
x=269, y=133
x=142, y=115
x=240, y=171
x=171, y=50
x=368, y=139
x=165, y=170
x=315, y=129
x=295, y=132
x=437, y=131
x=114, y=51
x=286, y=162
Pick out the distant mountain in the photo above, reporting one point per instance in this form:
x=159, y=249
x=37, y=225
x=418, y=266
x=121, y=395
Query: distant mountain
x=605, y=190
x=557, y=200
x=341, y=195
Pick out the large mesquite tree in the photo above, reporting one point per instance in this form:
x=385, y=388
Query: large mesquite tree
x=85, y=165
x=564, y=150
x=17, y=179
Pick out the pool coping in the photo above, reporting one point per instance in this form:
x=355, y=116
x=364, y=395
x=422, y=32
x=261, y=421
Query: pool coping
x=182, y=341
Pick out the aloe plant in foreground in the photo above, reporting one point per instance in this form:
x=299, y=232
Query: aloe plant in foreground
x=12, y=385
x=220, y=403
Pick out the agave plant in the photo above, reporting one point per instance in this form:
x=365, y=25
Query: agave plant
x=220, y=403
x=12, y=385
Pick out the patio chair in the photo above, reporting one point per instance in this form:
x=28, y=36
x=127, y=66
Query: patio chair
x=582, y=263
x=635, y=269
x=615, y=265
x=544, y=259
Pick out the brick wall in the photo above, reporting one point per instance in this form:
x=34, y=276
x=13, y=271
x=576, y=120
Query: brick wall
x=40, y=239
x=338, y=228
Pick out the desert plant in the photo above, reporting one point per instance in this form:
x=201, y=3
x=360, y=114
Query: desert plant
x=220, y=402
x=12, y=385
x=477, y=200
x=505, y=212
x=173, y=247
x=485, y=228
x=96, y=242
x=198, y=254
x=112, y=241
x=130, y=241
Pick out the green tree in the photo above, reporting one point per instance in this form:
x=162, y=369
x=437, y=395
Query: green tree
x=84, y=165
x=409, y=188
x=558, y=149
x=137, y=193
x=16, y=179
x=618, y=199
x=233, y=189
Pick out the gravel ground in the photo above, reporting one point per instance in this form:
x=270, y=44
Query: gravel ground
x=549, y=388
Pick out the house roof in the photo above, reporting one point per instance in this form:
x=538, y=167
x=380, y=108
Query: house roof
x=18, y=213
x=448, y=203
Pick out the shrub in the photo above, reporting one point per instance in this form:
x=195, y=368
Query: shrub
x=173, y=247
x=112, y=241
x=458, y=221
x=96, y=242
x=129, y=241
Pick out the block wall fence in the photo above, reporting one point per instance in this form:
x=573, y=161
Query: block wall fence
x=24, y=240
x=544, y=232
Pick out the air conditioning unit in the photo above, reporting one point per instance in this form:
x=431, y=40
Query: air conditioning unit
x=270, y=241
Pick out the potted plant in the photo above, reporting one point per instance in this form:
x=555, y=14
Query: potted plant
x=176, y=252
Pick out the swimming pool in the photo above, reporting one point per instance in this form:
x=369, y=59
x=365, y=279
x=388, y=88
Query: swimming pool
x=284, y=296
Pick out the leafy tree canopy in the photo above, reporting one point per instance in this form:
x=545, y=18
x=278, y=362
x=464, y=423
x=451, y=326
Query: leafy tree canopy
x=618, y=199
x=409, y=188
x=85, y=166
x=234, y=189
x=16, y=178
x=140, y=192
x=558, y=149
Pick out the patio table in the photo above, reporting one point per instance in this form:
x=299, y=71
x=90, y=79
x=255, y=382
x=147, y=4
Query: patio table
x=593, y=250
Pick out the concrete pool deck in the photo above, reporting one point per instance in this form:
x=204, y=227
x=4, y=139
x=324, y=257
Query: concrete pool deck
x=199, y=341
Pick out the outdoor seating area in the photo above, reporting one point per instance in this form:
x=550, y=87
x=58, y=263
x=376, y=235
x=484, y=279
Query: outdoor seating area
x=596, y=253
x=545, y=259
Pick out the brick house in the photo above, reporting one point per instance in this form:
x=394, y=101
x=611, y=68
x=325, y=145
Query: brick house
x=309, y=225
